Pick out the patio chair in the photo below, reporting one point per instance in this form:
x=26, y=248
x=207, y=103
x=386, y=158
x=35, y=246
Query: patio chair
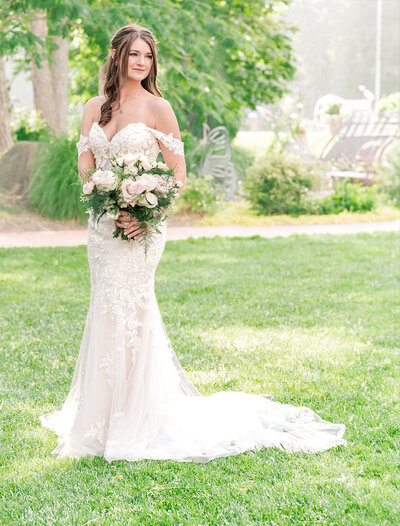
x=362, y=138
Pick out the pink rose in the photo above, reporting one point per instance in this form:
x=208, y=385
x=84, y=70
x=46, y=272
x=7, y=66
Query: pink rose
x=130, y=189
x=149, y=181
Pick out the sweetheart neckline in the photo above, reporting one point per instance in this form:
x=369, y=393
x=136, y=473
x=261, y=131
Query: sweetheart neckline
x=126, y=126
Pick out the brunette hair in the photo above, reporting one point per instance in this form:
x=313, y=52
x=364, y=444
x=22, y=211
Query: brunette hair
x=122, y=42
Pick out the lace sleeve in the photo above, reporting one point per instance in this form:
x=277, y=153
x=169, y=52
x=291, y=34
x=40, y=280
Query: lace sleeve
x=171, y=142
x=82, y=145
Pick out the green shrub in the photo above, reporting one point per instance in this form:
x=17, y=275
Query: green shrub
x=390, y=103
x=30, y=127
x=389, y=178
x=54, y=189
x=242, y=159
x=349, y=196
x=201, y=194
x=278, y=183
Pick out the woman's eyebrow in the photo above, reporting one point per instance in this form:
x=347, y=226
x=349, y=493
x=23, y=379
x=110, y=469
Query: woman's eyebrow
x=149, y=52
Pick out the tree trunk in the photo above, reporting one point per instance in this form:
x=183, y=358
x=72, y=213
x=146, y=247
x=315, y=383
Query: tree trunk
x=5, y=130
x=59, y=74
x=42, y=78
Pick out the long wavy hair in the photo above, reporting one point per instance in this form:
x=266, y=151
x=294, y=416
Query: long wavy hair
x=122, y=42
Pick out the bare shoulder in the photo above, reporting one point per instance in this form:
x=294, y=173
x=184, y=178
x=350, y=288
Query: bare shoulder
x=164, y=117
x=93, y=106
x=96, y=101
x=160, y=104
x=91, y=113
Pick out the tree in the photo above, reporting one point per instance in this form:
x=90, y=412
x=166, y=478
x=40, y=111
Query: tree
x=42, y=78
x=41, y=29
x=215, y=57
x=5, y=129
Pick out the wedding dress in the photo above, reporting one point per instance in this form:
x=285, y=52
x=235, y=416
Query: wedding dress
x=129, y=396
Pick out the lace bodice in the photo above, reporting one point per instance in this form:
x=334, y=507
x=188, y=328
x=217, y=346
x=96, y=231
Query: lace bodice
x=135, y=137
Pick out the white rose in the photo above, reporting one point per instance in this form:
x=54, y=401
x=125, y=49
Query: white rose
x=161, y=185
x=105, y=180
x=162, y=166
x=148, y=200
x=88, y=187
x=97, y=176
x=161, y=190
x=145, y=162
x=130, y=159
x=149, y=181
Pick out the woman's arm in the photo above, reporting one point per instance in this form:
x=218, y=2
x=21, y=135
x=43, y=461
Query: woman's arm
x=166, y=122
x=86, y=159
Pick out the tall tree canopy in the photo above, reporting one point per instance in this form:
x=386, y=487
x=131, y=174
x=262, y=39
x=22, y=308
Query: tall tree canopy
x=215, y=56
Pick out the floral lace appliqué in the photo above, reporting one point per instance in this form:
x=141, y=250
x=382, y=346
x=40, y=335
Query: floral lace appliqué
x=83, y=144
x=122, y=281
x=134, y=137
x=108, y=364
x=97, y=431
x=170, y=142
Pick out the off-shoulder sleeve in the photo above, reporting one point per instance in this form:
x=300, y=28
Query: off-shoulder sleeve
x=82, y=145
x=170, y=142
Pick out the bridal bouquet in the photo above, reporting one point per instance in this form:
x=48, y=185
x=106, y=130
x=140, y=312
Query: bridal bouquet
x=137, y=183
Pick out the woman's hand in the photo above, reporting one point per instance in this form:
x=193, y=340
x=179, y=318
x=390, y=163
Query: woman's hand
x=131, y=227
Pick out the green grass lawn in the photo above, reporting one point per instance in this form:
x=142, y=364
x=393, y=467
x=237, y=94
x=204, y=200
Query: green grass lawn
x=240, y=213
x=309, y=319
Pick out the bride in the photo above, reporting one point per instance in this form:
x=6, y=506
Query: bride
x=129, y=397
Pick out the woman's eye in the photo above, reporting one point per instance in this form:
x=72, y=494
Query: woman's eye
x=134, y=54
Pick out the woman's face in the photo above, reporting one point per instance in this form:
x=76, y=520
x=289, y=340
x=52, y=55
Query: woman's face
x=140, y=60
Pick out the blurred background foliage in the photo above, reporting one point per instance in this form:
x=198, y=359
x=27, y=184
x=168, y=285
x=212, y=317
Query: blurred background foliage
x=218, y=60
x=215, y=57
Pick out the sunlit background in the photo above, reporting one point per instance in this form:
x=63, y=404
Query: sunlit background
x=298, y=81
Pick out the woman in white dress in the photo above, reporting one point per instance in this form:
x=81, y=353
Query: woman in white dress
x=129, y=397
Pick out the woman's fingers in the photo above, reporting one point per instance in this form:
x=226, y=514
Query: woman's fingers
x=131, y=227
x=132, y=232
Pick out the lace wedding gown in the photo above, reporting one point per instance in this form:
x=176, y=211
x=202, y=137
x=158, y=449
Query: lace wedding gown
x=129, y=397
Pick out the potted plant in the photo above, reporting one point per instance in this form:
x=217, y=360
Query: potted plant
x=334, y=118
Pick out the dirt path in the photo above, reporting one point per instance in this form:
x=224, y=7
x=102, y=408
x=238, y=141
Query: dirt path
x=53, y=238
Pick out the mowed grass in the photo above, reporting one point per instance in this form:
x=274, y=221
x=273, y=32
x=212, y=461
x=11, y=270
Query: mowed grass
x=240, y=213
x=308, y=319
